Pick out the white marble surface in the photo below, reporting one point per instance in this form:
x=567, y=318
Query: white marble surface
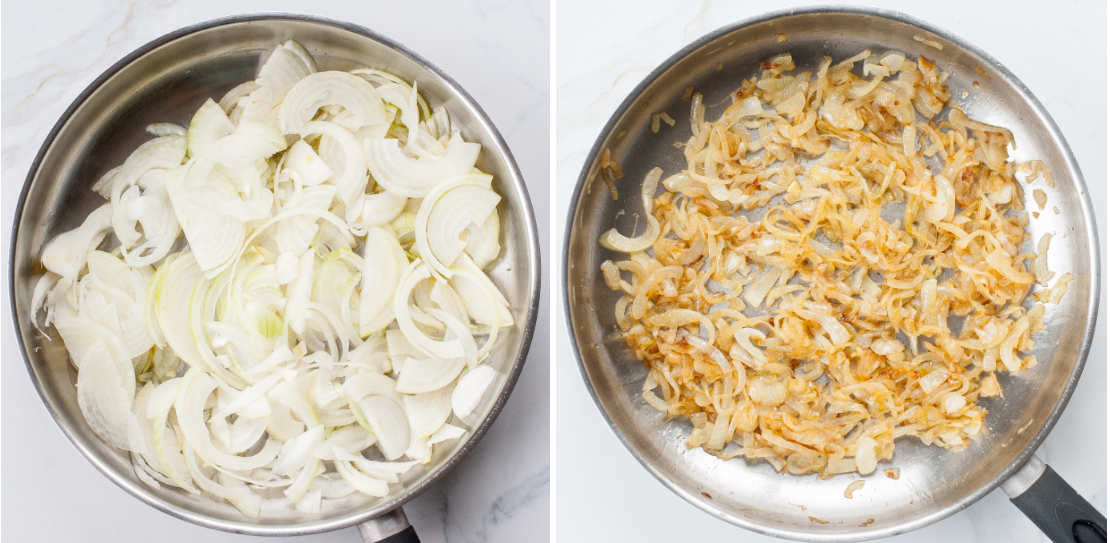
x=497, y=50
x=605, y=48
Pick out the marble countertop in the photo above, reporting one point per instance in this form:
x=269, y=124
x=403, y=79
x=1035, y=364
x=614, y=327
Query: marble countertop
x=606, y=48
x=496, y=50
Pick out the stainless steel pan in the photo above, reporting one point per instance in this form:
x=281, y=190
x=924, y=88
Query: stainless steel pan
x=933, y=483
x=166, y=80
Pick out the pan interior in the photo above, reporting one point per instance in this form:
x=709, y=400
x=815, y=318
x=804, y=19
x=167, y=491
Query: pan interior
x=168, y=83
x=932, y=482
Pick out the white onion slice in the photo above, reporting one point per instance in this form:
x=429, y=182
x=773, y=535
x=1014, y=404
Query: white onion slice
x=287, y=64
x=214, y=231
x=105, y=391
x=446, y=214
x=421, y=375
x=65, y=254
x=470, y=390
x=388, y=422
x=484, y=242
x=320, y=89
x=189, y=406
x=306, y=166
x=208, y=126
x=440, y=348
x=427, y=412
x=416, y=177
x=383, y=263
x=350, y=179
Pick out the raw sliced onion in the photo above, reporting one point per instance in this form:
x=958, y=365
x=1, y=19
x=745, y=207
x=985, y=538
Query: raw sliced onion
x=297, y=329
x=415, y=177
x=65, y=255
x=208, y=126
x=383, y=263
x=350, y=180
x=446, y=214
x=470, y=391
x=331, y=88
x=105, y=391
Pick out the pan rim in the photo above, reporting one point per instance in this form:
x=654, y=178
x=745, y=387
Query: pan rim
x=1092, y=304
x=515, y=179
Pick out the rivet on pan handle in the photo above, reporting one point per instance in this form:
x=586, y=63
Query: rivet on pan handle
x=392, y=527
x=1054, y=506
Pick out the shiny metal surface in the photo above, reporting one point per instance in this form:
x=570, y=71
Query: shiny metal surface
x=1024, y=477
x=166, y=80
x=389, y=524
x=933, y=483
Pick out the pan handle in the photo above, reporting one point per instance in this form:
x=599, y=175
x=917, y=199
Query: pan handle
x=1054, y=506
x=392, y=527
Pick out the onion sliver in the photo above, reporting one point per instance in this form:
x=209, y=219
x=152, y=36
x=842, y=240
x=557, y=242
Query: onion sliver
x=383, y=263
x=427, y=412
x=321, y=89
x=209, y=124
x=105, y=391
x=439, y=348
x=65, y=254
x=350, y=181
x=416, y=177
x=470, y=390
x=448, y=212
x=615, y=241
x=189, y=406
x=388, y=422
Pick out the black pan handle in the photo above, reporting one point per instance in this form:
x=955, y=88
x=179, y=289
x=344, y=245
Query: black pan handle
x=1054, y=506
x=392, y=527
x=408, y=535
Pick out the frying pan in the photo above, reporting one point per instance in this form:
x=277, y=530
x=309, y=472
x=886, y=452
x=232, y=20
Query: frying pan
x=933, y=482
x=167, y=80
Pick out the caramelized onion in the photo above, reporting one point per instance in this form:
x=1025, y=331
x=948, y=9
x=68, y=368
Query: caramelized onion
x=796, y=292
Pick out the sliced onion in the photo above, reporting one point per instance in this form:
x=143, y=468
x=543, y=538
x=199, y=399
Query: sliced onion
x=349, y=179
x=470, y=391
x=440, y=348
x=484, y=242
x=383, y=264
x=65, y=254
x=615, y=241
x=287, y=64
x=189, y=406
x=105, y=391
x=388, y=422
x=416, y=177
x=305, y=165
x=422, y=375
x=448, y=212
x=427, y=412
x=360, y=481
x=291, y=367
x=153, y=212
x=208, y=126
x=159, y=153
x=295, y=452
x=123, y=298
x=320, y=89
x=172, y=287
x=381, y=208
x=213, y=229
